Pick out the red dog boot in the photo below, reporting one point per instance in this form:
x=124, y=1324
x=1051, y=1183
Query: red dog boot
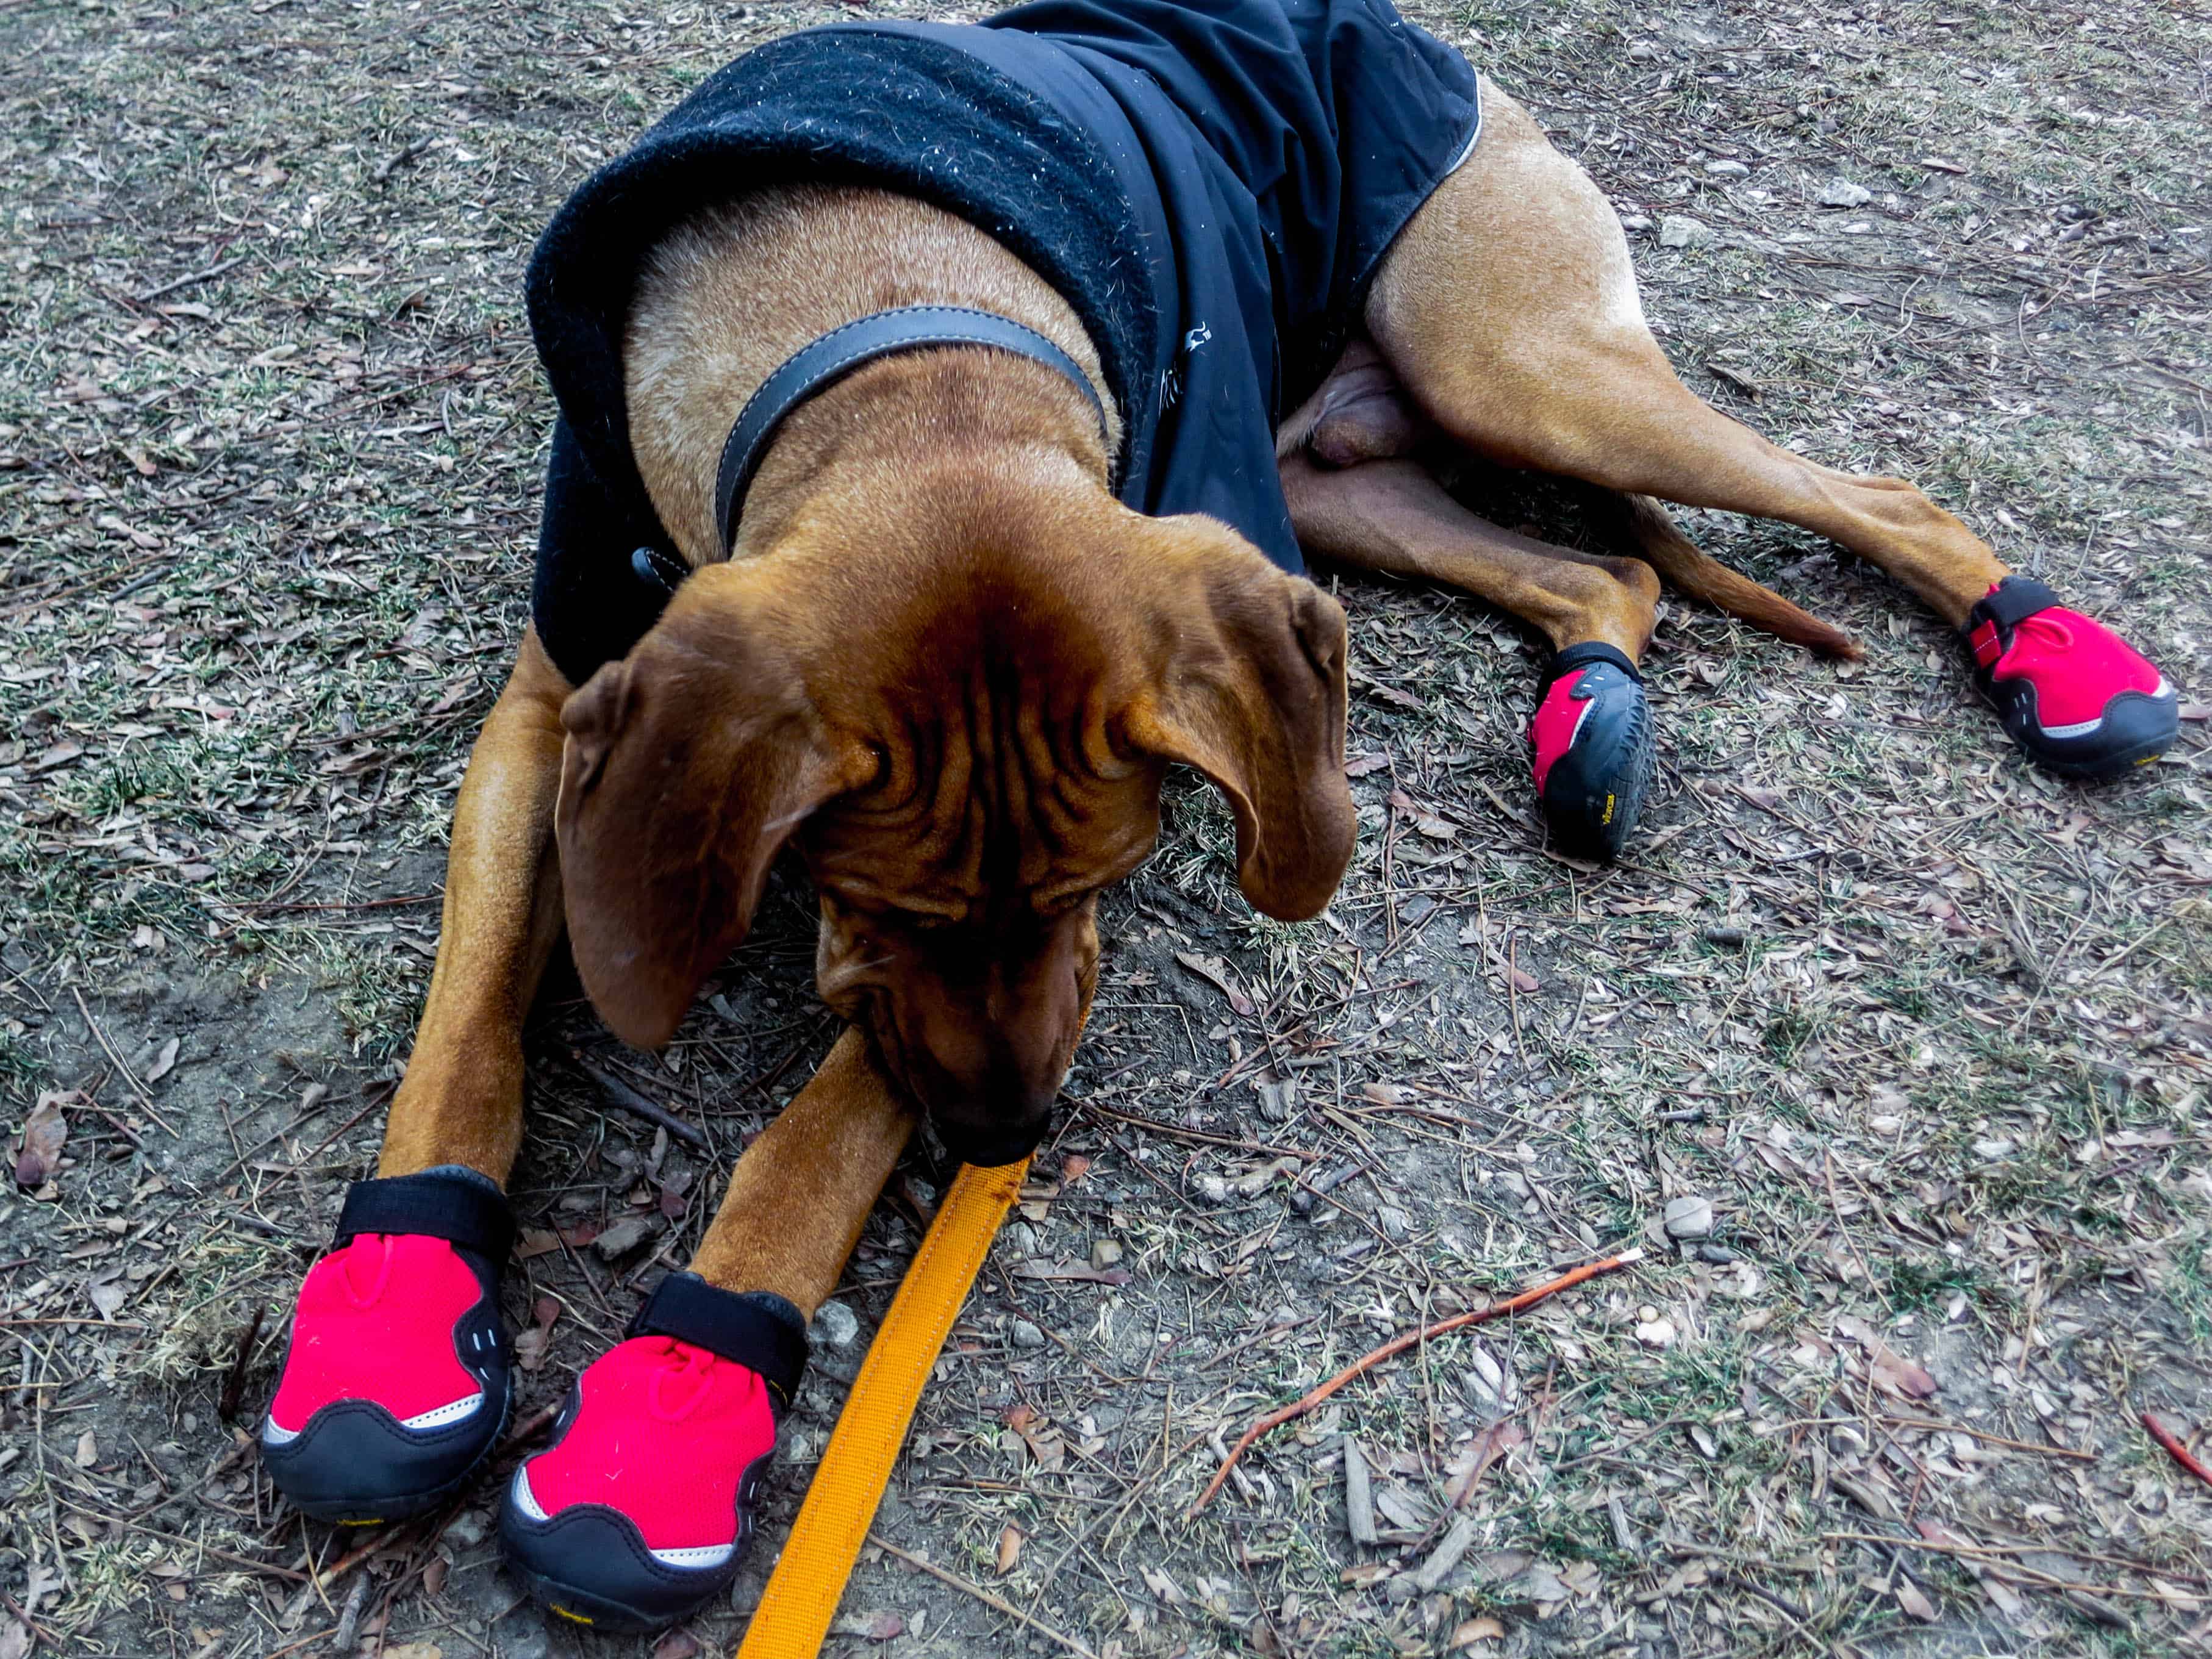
x=637, y=1513
x=395, y=1385
x=2074, y=694
x=1592, y=735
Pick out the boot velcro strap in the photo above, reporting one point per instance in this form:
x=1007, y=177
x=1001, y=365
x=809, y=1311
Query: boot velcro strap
x=756, y=1329
x=2012, y=602
x=461, y=1213
x=1589, y=652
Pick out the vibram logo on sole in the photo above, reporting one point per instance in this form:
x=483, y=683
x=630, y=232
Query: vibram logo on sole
x=1607, y=818
x=579, y=1618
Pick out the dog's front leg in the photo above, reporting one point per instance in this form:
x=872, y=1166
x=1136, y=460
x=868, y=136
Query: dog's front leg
x=461, y=1103
x=799, y=1194
x=396, y=1378
x=637, y=1513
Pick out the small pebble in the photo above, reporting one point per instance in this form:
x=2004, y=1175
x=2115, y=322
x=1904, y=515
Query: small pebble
x=836, y=1324
x=1722, y=934
x=1679, y=230
x=469, y=1529
x=1213, y=1189
x=1719, y=1254
x=1104, y=1253
x=1027, y=1335
x=1689, y=1217
x=1656, y=1333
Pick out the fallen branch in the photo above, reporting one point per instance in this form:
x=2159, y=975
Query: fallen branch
x=1398, y=1345
x=2179, y=1453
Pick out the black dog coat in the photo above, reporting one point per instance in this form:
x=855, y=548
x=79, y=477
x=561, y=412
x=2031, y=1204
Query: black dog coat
x=1211, y=184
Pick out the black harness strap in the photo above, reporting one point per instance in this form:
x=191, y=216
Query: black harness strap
x=2015, y=600
x=758, y=1329
x=459, y=1211
x=828, y=360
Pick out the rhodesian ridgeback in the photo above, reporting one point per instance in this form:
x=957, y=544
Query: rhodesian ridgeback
x=940, y=655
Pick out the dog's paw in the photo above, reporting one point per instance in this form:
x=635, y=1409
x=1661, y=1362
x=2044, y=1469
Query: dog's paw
x=396, y=1381
x=637, y=1513
x=2076, y=697
x=1593, y=743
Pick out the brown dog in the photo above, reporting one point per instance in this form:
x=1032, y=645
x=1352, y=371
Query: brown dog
x=948, y=664
x=951, y=668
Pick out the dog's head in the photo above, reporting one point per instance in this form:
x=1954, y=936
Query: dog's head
x=961, y=715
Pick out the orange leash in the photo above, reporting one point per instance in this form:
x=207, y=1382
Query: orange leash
x=809, y=1576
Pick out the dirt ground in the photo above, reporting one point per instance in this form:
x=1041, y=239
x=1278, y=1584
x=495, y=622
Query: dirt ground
x=1926, y=1031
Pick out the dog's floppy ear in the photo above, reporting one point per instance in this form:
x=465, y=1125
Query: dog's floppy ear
x=1252, y=694
x=688, y=765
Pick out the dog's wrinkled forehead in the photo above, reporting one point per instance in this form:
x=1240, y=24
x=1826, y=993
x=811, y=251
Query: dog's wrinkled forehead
x=1000, y=799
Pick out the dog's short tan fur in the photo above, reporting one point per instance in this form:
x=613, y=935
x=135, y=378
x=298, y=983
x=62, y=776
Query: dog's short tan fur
x=947, y=666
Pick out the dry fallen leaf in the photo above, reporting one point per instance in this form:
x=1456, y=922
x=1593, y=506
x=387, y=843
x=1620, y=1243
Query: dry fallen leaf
x=166, y=1061
x=109, y=1293
x=87, y=1450
x=44, y=1133
x=1485, y=1449
x=14, y=1639
x=1484, y=1629
x=677, y=1644
x=1888, y=1371
x=1909, y=1598
x=1215, y=972
x=868, y=1626
x=1010, y=1550
x=1435, y=828
x=530, y=1347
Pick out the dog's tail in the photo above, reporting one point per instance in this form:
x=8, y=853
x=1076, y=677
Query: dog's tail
x=1682, y=566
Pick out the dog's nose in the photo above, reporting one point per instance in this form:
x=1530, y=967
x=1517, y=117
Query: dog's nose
x=994, y=1116
x=989, y=1144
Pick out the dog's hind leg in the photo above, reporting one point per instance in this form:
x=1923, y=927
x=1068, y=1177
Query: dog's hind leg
x=1508, y=308
x=1592, y=733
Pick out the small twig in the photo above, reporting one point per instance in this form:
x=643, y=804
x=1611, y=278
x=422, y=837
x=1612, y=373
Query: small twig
x=349, y=1621
x=2179, y=1453
x=630, y=1101
x=2034, y=1578
x=995, y=1603
x=187, y=282
x=1780, y=1603
x=1993, y=1439
x=191, y=1544
x=129, y=1076
x=353, y=1557
x=234, y=1386
x=1398, y=1345
x=393, y=163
